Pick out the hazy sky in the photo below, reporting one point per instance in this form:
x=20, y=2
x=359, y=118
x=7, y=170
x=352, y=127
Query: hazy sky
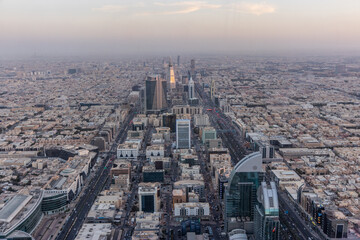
x=71, y=27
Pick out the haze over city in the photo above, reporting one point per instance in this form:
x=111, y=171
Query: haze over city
x=89, y=27
x=179, y=120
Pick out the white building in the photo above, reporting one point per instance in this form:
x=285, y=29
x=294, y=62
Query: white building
x=201, y=120
x=94, y=231
x=128, y=150
x=191, y=209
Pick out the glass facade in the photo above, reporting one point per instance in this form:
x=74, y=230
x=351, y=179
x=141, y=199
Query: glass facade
x=54, y=203
x=267, y=223
x=156, y=176
x=183, y=134
x=267, y=226
x=148, y=202
x=155, y=94
x=241, y=195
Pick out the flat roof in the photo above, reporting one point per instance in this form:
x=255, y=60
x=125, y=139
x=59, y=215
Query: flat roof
x=13, y=207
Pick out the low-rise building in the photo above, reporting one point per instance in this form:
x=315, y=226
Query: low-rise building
x=94, y=231
x=128, y=150
x=155, y=151
x=189, y=210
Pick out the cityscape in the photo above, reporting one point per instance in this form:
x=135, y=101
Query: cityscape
x=204, y=148
x=179, y=120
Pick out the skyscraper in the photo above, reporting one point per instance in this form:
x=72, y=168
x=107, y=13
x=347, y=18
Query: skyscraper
x=155, y=99
x=183, y=135
x=240, y=194
x=171, y=76
x=178, y=60
x=267, y=223
x=191, y=89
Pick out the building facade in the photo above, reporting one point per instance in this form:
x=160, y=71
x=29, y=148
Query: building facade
x=267, y=223
x=240, y=194
x=183, y=134
x=155, y=94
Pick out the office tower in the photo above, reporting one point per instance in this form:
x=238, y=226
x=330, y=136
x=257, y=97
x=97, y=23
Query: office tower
x=192, y=68
x=148, y=197
x=171, y=76
x=178, y=60
x=212, y=90
x=240, y=193
x=191, y=89
x=183, y=136
x=155, y=94
x=267, y=223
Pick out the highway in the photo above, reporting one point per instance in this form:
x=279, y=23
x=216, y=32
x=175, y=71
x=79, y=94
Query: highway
x=294, y=220
x=125, y=226
x=83, y=205
x=211, y=194
x=225, y=128
x=296, y=224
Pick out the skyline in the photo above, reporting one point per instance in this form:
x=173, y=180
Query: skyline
x=170, y=27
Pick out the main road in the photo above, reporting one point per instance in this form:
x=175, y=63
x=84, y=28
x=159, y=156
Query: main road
x=82, y=207
x=225, y=128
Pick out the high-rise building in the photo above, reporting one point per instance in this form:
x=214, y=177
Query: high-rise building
x=171, y=76
x=178, y=60
x=183, y=135
x=240, y=193
x=267, y=223
x=155, y=99
x=148, y=198
x=192, y=68
x=191, y=89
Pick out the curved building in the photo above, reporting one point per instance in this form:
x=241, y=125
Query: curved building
x=54, y=201
x=240, y=193
x=22, y=212
x=237, y=234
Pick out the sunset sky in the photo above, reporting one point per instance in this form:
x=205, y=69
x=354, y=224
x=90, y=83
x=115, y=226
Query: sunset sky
x=54, y=27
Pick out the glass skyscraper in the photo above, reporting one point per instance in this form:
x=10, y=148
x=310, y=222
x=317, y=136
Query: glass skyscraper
x=155, y=94
x=183, y=135
x=240, y=194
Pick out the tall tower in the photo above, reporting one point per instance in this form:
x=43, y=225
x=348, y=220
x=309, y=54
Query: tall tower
x=178, y=60
x=191, y=89
x=240, y=193
x=171, y=76
x=155, y=91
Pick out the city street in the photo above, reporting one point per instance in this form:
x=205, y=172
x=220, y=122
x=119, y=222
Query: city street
x=83, y=205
